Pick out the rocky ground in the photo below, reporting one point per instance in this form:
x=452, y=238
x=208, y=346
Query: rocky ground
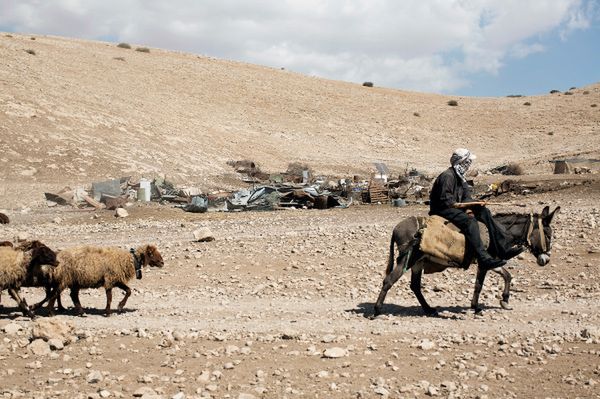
x=279, y=305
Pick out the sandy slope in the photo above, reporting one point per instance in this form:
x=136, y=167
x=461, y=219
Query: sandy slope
x=73, y=112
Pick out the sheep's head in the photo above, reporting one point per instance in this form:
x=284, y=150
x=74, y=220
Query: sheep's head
x=6, y=244
x=152, y=257
x=42, y=255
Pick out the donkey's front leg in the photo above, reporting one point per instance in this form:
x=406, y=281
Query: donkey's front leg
x=506, y=293
x=478, y=285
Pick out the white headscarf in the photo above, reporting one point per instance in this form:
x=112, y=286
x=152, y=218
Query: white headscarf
x=461, y=160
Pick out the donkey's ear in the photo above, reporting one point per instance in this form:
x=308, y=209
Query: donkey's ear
x=545, y=212
x=548, y=218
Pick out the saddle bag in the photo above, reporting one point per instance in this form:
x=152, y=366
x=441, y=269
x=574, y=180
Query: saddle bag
x=441, y=240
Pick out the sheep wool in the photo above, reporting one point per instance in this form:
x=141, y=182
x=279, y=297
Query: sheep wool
x=13, y=267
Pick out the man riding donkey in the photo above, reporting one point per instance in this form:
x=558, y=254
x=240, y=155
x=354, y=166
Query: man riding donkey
x=451, y=199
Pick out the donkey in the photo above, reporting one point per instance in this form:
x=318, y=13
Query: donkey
x=531, y=230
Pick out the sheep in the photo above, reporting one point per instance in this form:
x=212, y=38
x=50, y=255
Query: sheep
x=18, y=265
x=95, y=267
x=4, y=219
x=40, y=275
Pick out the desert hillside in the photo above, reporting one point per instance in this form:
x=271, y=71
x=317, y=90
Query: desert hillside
x=72, y=111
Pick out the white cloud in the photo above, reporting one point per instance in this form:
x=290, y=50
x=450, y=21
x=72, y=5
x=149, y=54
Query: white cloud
x=411, y=44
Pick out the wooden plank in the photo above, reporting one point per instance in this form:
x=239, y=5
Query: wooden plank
x=93, y=202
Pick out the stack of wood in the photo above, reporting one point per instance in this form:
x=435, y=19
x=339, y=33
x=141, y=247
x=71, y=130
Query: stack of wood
x=378, y=192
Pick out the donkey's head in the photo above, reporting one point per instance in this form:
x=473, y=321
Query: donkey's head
x=539, y=236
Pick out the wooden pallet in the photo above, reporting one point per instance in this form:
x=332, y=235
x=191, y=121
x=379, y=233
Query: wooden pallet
x=378, y=192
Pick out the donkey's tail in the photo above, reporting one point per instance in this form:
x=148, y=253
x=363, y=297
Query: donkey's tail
x=390, y=265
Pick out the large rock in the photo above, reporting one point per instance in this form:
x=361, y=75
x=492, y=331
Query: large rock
x=53, y=329
x=39, y=347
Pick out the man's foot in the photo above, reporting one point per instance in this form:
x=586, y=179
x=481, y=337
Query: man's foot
x=490, y=263
x=512, y=252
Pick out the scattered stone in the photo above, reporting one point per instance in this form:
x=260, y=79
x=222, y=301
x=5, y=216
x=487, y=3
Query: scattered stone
x=121, y=213
x=94, y=377
x=12, y=328
x=328, y=338
x=203, y=235
x=426, y=344
x=591, y=332
x=143, y=391
x=203, y=377
x=335, y=352
x=56, y=344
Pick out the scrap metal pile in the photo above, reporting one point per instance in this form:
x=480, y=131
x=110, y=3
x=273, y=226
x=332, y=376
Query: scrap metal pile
x=295, y=188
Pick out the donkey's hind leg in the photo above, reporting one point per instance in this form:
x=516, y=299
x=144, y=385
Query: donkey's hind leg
x=389, y=281
x=415, y=286
x=506, y=293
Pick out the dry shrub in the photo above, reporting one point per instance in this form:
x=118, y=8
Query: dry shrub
x=368, y=84
x=594, y=105
x=453, y=103
x=526, y=103
x=568, y=93
x=586, y=92
x=124, y=45
x=119, y=58
x=30, y=51
x=143, y=49
x=514, y=95
x=554, y=91
x=416, y=114
x=514, y=169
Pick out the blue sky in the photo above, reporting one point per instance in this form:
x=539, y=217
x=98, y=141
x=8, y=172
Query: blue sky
x=459, y=47
x=564, y=64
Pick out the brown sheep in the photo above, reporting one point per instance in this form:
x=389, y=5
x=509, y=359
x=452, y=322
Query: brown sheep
x=16, y=267
x=4, y=219
x=95, y=267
